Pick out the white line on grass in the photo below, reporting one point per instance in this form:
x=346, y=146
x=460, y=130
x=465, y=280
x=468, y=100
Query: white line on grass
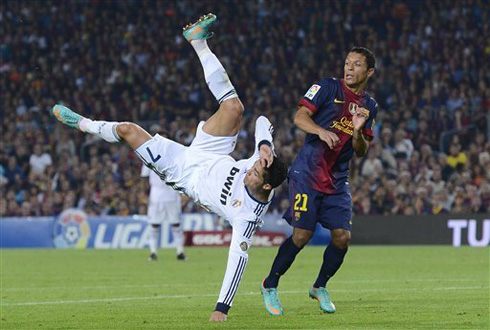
x=57, y=288
x=102, y=300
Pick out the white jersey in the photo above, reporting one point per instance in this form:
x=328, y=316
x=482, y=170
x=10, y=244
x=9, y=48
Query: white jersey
x=219, y=186
x=205, y=172
x=160, y=192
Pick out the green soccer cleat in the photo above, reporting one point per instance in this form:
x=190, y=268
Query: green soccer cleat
x=200, y=28
x=271, y=300
x=66, y=116
x=321, y=294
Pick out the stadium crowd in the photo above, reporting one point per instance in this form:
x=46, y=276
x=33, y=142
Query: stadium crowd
x=127, y=60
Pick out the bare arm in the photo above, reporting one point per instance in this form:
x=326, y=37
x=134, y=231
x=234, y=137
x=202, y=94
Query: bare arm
x=359, y=142
x=303, y=120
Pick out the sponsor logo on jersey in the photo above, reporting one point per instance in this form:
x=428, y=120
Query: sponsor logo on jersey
x=71, y=230
x=225, y=191
x=244, y=246
x=236, y=203
x=344, y=124
x=310, y=94
x=338, y=101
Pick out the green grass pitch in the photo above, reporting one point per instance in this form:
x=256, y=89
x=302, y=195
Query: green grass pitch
x=378, y=287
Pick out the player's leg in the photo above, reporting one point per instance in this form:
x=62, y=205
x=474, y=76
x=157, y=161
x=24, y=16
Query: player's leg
x=333, y=256
x=286, y=255
x=302, y=215
x=174, y=212
x=337, y=214
x=226, y=121
x=165, y=157
x=153, y=241
x=284, y=259
x=178, y=235
x=154, y=220
x=237, y=262
x=109, y=131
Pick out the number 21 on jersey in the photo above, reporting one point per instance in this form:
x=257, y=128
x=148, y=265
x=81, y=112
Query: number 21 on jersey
x=300, y=202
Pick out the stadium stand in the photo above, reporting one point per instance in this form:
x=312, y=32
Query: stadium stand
x=128, y=61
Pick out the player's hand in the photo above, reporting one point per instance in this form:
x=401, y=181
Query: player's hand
x=330, y=138
x=265, y=156
x=359, y=118
x=218, y=317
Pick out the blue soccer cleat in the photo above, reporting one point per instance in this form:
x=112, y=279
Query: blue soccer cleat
x=199, y=29
x=66, y=116
x=271, y=300
x=321, y=294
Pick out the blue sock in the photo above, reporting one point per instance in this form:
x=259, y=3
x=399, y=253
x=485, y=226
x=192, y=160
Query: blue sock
x=284, y=259
x=332, y=260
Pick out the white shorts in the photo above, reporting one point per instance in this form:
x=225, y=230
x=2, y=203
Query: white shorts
x=218, y=145
x=176, y=164
x=164, y=212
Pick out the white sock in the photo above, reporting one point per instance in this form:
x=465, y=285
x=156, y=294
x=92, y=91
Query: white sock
x=178, y=235
x=154, y=239
x=103, y=129
x=215, y=74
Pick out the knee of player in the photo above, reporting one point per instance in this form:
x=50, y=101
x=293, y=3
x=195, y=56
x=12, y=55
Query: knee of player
x=300, y=239
x=126, y=129
x=342, y=240
x=235, y=105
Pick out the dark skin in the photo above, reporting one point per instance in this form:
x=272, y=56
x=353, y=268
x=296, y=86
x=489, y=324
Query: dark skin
x=356, y=75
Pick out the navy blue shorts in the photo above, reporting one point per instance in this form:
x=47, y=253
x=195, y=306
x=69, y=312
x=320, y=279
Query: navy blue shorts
x=307, y=207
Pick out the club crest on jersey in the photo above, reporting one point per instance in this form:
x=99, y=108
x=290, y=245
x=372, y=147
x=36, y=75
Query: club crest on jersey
x=297, y=216
x=353, y=108
x=310, y=94
x=236, y=203
x=244, y=246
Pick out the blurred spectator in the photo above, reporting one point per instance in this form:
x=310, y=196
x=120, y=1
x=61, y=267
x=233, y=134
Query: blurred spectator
x=456, y=158
x=39, y=160
x=433, y=101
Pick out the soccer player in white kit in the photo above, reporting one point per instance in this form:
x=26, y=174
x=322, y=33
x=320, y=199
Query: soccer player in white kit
x=165, y=205
x=238, y=191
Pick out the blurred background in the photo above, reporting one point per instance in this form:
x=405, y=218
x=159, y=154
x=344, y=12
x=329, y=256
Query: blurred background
x=127, y=61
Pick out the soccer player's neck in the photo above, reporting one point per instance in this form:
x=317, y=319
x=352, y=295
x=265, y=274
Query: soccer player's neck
x=357, y=88
x=259, y=194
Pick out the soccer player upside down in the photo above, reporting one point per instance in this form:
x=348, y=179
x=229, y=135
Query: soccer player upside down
x=204, y=169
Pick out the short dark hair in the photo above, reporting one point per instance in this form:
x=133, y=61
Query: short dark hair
x=370, y=59
x=276, y=173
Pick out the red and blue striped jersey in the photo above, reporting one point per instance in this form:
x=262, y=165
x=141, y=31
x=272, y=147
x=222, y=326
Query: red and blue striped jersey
x=332, y=104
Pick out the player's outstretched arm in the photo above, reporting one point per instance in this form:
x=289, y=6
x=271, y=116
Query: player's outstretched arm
x=264, y=146
x=237, y=262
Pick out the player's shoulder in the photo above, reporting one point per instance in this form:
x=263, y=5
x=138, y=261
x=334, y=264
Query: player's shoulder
x=370, y=101
x=321, y=89
x=329, y=82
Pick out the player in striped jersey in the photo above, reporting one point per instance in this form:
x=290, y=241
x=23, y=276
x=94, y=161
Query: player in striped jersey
x=238, y=191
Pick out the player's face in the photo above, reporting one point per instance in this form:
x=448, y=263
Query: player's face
x=255, y=176
x=355, y=70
